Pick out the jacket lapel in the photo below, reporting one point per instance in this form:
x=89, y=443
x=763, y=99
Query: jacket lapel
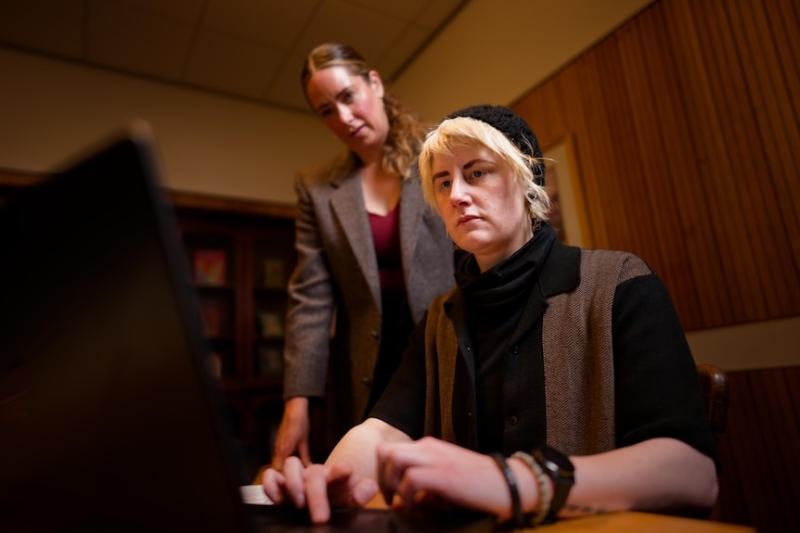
x=560, y=273
x=412, y=208
x=562, y=270
x=347, y=204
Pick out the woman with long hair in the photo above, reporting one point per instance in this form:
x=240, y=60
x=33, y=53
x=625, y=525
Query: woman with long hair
x=371, y=254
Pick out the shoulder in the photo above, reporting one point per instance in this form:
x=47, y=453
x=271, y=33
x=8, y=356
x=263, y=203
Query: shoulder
x=413, y=174
x=621, y=265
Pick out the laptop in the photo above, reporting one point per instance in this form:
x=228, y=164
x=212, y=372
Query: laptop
x=115, y=423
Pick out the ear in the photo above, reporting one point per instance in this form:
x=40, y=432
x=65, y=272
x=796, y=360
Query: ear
x=376, y=83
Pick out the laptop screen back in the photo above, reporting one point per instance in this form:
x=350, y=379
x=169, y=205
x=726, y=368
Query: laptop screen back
x=117, y=425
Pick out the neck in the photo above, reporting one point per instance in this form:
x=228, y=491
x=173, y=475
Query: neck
x=371, y=155
x=380, y=188
x=487, y=262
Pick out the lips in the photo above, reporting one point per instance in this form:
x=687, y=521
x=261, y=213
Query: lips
x=464, y=219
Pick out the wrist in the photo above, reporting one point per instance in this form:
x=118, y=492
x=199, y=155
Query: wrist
x=561, y=472
x=296, y=406
x=527, y=484
x=544, y=488
x=513, y=515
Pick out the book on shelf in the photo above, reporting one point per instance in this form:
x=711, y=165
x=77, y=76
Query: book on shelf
x=209, y=266
x=215, y=365
x=270, y=359
x=212, y=319
x=274, y=273
x=271, y=324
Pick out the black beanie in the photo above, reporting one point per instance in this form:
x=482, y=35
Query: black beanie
x=513, y=127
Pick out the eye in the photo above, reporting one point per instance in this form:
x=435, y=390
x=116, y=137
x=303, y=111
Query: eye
x=443, y=184
x=348, y=96
x=475, y=174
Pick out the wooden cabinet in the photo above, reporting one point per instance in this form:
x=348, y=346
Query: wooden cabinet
x=241, y=254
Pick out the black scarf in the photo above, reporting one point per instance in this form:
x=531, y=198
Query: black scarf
x=495, y=301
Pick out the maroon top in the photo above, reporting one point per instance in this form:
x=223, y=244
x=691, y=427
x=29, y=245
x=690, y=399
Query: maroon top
x=386, y=236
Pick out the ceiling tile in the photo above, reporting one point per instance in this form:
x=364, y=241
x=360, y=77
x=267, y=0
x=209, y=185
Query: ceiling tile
x=437, y=12
x=53, y=26
x=368, y=32
x=286, y=88
x=406, y=10
x=187, y=11
x=252, y=49
x=129, y=39
x=255, y=20
x=232, y=65
x=401, y=50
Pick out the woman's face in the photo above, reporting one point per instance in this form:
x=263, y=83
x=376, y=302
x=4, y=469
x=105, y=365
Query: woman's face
x=482, y=205
x=351, y=106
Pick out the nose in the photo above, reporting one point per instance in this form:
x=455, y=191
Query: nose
x=459, y=191
x=345, y=114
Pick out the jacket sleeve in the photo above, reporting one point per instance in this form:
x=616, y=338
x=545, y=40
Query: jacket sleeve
x=658, y=392
x=311, y=305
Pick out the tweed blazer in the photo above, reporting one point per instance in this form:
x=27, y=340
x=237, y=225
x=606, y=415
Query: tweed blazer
x=334, y=309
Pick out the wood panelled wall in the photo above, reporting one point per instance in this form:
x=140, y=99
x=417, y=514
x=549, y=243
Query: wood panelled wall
x=685, y=125
x=760, y=480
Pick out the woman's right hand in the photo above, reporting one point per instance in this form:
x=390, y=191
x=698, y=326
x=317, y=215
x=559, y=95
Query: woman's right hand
x=318, y=487
x=292, y=433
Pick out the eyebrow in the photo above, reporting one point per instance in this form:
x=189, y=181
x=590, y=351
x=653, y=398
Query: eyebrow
x=467, y=166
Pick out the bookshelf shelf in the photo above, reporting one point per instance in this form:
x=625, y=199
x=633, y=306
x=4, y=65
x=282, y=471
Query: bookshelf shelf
x=241, y=254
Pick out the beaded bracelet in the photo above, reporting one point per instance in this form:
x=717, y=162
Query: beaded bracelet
x=519, y=518
x=545, y=496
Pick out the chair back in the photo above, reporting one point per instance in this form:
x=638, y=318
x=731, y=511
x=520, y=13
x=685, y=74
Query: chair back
x=715, y=396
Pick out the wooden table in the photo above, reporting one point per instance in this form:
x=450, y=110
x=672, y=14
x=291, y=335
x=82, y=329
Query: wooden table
x=621, y=522
x=639, y=522
x=624, y=522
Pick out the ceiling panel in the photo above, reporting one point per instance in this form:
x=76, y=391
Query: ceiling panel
x=186, y=11
x=52, y=26
x=437, y=12
x=402, y=9
x=401, y=50
x=286, y=87
x=277, y=24
x=232, y=65
x=366, y=30
x=248, y=49
x=137, y=41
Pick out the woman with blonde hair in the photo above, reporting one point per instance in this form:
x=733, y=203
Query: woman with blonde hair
x=552, y=382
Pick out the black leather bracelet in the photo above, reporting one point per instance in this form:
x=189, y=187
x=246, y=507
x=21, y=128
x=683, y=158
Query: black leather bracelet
x=519, y=518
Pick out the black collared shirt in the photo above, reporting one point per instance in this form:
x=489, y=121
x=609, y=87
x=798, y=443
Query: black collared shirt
x=509, y=379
